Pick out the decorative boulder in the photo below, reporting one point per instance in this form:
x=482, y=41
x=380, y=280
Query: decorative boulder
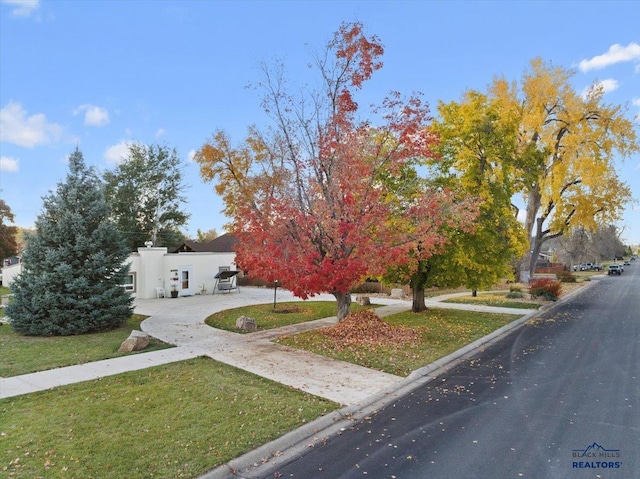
x=244, y=323
x=136, y=341
x=363, y=300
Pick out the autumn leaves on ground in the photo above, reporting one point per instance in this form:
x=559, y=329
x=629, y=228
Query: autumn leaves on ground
x=401, y=343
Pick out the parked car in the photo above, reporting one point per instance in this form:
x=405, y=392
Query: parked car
x=587, y=267
x=615, y=269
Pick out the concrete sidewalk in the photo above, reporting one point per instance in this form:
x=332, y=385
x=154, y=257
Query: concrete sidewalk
x=181, y=322
x=30, y=383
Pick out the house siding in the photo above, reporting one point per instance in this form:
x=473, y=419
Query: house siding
x=153, y=268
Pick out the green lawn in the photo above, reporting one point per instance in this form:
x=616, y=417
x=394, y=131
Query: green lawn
x=3, y=290
x=182, y=419
x=287, y=313
x=442, y=332
x=178, y=420
x=495, y=299
x=26, y=354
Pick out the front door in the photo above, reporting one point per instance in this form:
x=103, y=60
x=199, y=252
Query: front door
x=184, y=279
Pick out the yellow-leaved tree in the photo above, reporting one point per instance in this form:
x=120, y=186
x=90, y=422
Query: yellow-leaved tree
x=479, y=156
x=569, y=144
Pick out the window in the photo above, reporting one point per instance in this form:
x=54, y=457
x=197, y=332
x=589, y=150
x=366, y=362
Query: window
x=130, y=283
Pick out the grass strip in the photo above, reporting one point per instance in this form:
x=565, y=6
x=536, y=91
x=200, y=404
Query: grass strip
x=26, y=354
x=177, y=420
x=285, y=314
x=441, y=332
x=494, y=299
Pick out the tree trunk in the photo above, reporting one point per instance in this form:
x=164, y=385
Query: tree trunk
x=344, y=301
x=536, y=246
x=534, y=201
x=474, y=293
x=418, y=299
x=417, y=283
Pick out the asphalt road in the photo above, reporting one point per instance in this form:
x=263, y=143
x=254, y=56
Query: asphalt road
x=556, y=398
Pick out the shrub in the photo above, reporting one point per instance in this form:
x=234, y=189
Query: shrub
x=515, y=288
x=368, y=287
x=547, y=288
x=514, y=294
x=566, y=277
x=248, y=281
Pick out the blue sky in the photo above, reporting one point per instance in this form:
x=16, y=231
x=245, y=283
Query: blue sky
x=100, y=74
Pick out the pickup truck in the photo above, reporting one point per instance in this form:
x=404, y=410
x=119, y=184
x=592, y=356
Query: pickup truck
x=614, y=269
x=587, y=267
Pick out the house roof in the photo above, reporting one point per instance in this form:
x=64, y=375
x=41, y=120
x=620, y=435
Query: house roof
x=222, y=244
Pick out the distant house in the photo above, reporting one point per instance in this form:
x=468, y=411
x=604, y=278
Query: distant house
x=222, y=244
x=189, y=270
x=545, y=263
x=10, y=261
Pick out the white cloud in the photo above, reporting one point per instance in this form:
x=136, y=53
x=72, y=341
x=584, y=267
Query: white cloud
x=607, y=86
x=161, y=132
x=23, y=8
x=616, y=54
x=8, y=164
x=96, y=116
x=20, y=129
x=93, y=115
x=114, y=155
x=192, y=154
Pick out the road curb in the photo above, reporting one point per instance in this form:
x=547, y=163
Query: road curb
x=279, y=452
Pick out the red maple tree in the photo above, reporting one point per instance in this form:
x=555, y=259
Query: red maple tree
x=322, y=199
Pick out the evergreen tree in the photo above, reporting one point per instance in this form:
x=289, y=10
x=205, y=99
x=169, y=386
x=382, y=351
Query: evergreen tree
x=74, y=265
x=145, y=192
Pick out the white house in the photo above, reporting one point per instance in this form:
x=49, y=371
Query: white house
x=9, y=272
x=191, y=270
